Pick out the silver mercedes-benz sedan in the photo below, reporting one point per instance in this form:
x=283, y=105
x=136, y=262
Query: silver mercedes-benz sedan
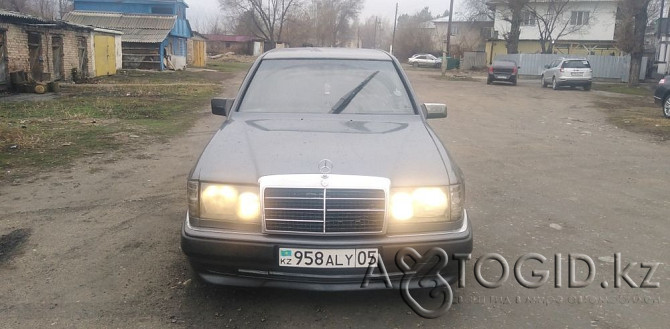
x=325, y=176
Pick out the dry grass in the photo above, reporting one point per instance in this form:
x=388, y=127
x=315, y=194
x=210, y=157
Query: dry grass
x=127, y=110
x=636, y=114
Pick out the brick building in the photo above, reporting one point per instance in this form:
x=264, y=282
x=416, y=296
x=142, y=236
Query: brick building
x=44, y=51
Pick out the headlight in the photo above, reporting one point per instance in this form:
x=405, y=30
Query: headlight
x=225, y=202
x=427, y=204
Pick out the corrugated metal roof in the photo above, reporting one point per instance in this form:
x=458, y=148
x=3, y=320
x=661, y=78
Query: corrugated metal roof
x=119, y=20
x=144, y=36
x=141, y=28
x=7, y=13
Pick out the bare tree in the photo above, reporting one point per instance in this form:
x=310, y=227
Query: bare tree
x=412, y=35
x=266, y=18
x=477, y=10
x=334, y=19
x=633, y=19
x=510, y=11
x=553, y=22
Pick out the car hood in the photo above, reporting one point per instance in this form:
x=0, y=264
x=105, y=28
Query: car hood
x=250, y=146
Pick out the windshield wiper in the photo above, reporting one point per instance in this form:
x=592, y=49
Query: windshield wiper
x=346, y=99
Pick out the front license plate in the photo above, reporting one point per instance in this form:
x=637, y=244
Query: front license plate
x=328, y=258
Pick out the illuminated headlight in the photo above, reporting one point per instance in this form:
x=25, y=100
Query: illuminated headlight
x=427, y=204
x=224, y=202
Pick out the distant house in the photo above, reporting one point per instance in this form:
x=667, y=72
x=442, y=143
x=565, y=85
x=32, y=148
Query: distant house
x=239, y=44
x=466, y=36
x=40, y=50
x=155, y=31
x=588, y=28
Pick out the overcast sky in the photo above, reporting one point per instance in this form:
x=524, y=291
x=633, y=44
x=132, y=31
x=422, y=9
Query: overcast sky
x=203, y=10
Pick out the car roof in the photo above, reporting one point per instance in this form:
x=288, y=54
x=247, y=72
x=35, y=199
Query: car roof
x=327, y=53
x=574, y=59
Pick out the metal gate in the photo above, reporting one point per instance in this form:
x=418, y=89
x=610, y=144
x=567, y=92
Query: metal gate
x=4, y=76
x=606, y=67
x=57, y=53
x=105, y=55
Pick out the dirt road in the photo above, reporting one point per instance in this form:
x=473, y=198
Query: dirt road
x=97, y=245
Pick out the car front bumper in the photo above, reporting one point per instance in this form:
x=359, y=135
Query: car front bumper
x=252, y=260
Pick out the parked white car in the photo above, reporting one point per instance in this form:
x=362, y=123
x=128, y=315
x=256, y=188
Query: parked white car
x=424, y=60
x=573, y=72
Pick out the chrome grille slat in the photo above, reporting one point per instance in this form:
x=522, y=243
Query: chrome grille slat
x=335, y=211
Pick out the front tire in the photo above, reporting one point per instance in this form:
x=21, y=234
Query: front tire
x=554, y=84
x=544, y=83
x=666, y=107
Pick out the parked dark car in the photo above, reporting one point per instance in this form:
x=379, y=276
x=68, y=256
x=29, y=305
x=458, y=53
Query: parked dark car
x=324, y=167
x=662, y=95
x=503, y=70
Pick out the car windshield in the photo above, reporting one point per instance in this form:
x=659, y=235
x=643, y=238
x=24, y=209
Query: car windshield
x=320, y=85
x=576, y=65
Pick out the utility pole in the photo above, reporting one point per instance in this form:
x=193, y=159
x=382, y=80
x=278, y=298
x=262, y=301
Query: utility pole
x=395, y=27
x=375, y=39
x=446, y=50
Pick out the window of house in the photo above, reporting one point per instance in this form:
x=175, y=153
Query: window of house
x=579, y=18
x=163, y=10
x=527, y=18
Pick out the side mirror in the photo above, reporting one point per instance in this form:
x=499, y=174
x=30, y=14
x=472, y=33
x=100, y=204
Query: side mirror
x=546, y=66
x=435, y=111
x=222, y=106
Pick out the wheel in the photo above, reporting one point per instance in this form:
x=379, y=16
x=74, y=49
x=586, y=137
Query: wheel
x=587, y=87
x=666, y=107
x=554, y=84
x=415, y=64
x=542, y=82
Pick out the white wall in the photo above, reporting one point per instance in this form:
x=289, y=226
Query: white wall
x=179, y=62
x=602, y=21
x=119, y=52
